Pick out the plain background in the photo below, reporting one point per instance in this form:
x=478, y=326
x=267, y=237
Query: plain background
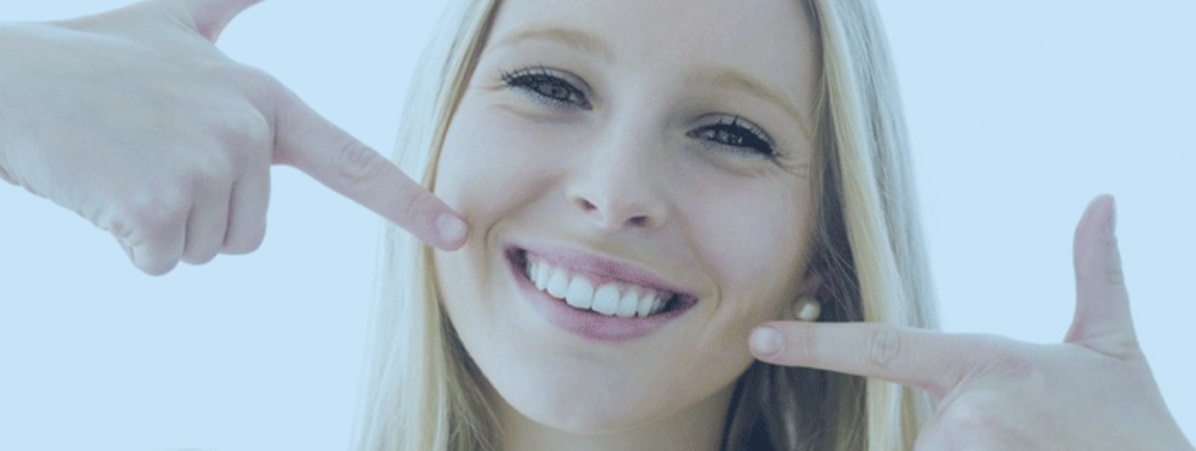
x=1020, y=112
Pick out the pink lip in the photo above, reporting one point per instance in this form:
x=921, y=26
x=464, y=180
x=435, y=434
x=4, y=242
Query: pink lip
x=586, y=323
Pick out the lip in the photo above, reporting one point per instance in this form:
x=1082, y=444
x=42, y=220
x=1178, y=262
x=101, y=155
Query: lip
x=589, y=324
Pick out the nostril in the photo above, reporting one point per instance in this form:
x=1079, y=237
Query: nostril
x=614, y=215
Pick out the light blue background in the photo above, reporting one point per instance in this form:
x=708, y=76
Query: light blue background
x=1020, y=112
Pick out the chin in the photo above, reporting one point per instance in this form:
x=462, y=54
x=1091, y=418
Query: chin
x=587, y=412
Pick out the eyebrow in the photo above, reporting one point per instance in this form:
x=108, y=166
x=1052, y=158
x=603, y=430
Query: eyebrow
x=718, y=75
x=734, y=79
x=574, y=38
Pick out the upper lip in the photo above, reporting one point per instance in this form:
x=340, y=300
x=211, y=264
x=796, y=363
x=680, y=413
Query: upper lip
x=596, y=266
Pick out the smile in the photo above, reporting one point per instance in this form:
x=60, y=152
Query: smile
x=582, y=291
x=594, y=297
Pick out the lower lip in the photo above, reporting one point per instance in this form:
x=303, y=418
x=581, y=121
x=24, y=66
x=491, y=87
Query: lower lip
x=587, y=323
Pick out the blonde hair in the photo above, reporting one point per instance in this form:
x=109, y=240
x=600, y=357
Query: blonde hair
x=422, y=391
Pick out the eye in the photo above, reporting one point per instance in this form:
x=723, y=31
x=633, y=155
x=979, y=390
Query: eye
x=548, y=86
x=737, y=135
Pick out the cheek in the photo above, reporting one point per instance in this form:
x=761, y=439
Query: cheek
x=483, y=175
x=485, y=166
x=754, y=242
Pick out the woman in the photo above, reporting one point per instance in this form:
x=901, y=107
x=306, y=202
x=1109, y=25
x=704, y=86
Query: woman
x=743, y=169
x=877, y=278
x=513, y=81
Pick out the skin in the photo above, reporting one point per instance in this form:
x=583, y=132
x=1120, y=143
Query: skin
x=614, y=170
x=192, y=154
x=1094, y=390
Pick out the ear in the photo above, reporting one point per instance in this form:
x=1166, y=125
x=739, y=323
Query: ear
x=813, y=284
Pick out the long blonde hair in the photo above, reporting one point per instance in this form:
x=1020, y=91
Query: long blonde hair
x=422, y=391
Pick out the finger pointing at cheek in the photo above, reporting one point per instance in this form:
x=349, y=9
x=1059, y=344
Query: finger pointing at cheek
x=912, y=357
x=322, y=150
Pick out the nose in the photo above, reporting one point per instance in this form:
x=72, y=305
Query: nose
x=620, y=186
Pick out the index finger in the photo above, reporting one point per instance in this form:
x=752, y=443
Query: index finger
x=309, y=142
x=932, y=361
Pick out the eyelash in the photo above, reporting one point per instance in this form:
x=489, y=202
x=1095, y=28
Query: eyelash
x=553, y=89
x=739, y=135
x=548, y=87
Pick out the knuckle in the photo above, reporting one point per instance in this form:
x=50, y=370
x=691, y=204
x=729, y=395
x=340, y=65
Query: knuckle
x=991, y=421
x=158, y=210
x=884, y=346
x=251, y=79
x=241, y=137
x=216, y=172
x=242, y=123
x=968, y=416
x=244, y=131
x=360, y=164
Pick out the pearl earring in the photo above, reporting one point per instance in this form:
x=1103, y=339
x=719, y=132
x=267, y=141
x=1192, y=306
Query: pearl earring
x=807, y=309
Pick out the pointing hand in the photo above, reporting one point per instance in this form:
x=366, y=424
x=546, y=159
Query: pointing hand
x=134, y=120
x=1093, y=391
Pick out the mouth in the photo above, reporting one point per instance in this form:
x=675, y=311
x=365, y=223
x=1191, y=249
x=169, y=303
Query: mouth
x=599, y=287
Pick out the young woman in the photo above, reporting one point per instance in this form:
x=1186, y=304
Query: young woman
x=617, y=161
x=764, y=148
x=646, y=184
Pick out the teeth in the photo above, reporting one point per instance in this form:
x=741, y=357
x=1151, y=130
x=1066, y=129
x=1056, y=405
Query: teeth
x=611, y=299
x=541, y=277
x=606, y=300
x=643, y=306
x=558, y=284
x=628, y=305
x=581, y=293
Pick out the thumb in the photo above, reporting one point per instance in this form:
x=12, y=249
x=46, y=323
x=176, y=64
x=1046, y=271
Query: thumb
x=310, y=143
x=211, y=16
x=1102, y=319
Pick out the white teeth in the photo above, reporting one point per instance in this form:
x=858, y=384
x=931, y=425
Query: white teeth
x=558, y=284
x=541, y=277
x=581, y=293
x=606, y=301
x=628, y=305
x=611, y=299
x=643, y=306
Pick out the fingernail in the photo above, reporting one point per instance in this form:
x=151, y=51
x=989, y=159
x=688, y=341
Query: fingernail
x=450, y=228
x=766, y=341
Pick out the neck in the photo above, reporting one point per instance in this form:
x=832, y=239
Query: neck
x=700, y=427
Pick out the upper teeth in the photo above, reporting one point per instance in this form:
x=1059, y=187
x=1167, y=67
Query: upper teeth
x=609, y=298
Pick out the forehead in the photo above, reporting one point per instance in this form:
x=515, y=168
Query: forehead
x=770, y=40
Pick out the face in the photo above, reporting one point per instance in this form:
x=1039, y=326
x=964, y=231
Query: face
x=636, y=176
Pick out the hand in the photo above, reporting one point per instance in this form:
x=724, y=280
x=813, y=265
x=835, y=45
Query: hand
x=134, y=120
x=1094, y=391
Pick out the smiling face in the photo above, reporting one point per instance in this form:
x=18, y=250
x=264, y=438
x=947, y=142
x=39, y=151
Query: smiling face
x=636, y=176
